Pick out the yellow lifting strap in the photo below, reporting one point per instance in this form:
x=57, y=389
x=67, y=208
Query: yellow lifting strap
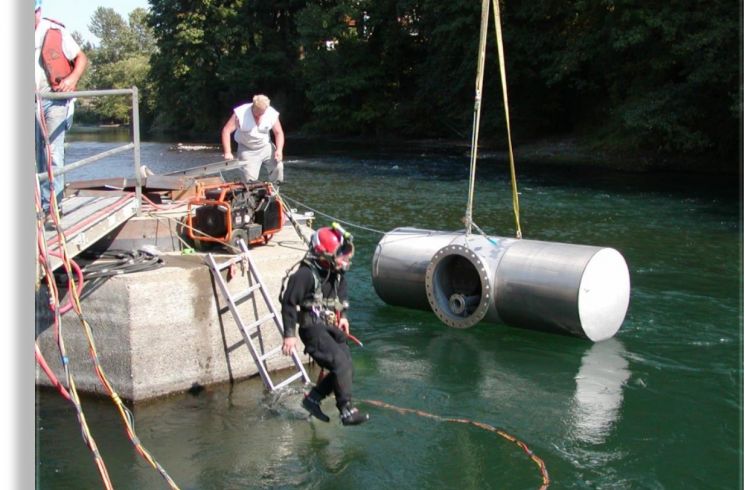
x=503, y=73
x=468, y=219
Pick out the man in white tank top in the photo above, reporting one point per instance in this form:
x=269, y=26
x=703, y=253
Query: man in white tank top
x=251, y=124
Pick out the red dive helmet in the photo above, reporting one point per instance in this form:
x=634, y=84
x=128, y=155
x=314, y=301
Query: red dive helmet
x=332, y=247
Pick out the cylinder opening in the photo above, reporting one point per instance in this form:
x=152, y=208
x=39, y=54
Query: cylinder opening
x=457, y=287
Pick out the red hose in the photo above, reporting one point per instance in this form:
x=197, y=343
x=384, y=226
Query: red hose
x=78, y=271
x=45, y=367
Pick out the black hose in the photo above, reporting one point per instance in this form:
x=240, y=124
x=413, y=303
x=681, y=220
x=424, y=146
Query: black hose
x=109, y=263
x=116, y=262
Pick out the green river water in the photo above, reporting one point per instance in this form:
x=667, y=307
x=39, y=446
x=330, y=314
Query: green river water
x=659, y=406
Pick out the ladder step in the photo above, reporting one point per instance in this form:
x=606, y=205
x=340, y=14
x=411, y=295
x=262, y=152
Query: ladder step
x=243, y=296
x=252, y=330
x=238, y=344
x=258, y=322
x=239, y=298
x=289, y=380
x=270, y=353
x=227, y=263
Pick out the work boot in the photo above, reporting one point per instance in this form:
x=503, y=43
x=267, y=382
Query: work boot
x=351, y=416
x=313, y=407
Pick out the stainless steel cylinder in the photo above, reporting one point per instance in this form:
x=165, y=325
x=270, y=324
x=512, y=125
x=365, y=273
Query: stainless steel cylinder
x=576, y=289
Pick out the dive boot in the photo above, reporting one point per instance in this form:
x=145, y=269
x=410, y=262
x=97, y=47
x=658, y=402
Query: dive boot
x=313, y=407
x=352, y=416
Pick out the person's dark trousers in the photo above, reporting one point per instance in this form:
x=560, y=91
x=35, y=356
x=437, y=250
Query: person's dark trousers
x=327, y=346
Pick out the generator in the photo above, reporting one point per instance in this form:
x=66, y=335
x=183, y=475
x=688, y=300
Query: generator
x=228, y=212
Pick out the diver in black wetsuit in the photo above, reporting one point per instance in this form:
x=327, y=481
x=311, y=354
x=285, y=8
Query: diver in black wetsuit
x=316, y=299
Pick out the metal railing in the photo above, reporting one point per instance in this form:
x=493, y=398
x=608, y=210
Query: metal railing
x=134, y=145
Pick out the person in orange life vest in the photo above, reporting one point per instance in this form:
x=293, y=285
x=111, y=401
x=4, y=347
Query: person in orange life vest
x=316, y=299
x=58, y=65
x=251, y=124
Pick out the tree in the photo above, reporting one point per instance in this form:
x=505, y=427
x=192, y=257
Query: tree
x=634, y=75
x=214, y=54
x=622, y=74
x=358, y=64
x=122, y=60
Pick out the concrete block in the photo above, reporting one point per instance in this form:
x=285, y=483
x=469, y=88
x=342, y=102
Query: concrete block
x=159, y=332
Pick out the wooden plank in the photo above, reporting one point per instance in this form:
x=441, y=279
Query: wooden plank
x=114, y=183
x=153, y=182
x=165, y=182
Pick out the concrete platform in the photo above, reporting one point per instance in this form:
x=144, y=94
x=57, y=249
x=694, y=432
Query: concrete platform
x=159, y=332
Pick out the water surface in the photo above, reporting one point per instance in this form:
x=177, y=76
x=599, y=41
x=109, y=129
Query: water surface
x=657, y=407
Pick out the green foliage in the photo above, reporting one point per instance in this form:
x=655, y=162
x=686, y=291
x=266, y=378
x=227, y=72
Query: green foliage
x=629, y=75
x=215, y=54
x=637, y=75
x=128, y=72
x=121, y=60
x=358, y=65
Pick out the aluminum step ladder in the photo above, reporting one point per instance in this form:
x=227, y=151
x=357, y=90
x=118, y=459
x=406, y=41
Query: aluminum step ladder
x=255, y=283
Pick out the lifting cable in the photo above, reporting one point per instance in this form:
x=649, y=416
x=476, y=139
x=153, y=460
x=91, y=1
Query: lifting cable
x=477, y=112
x=534, y=457
x=468, y=218
x=54, y=306
x=347, y=223
x=295, y=224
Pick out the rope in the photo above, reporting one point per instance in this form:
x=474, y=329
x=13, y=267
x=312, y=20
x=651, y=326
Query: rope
x=333, y=218
x=295, y=224
x=503, y=73
x=54, y=302
x=477, y=112
x=481, y=425
x=482, y=234
x=75, y=300
x=468, y=219
x=534, y=457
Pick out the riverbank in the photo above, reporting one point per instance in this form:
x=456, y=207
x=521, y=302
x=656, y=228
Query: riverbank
x=559, y=152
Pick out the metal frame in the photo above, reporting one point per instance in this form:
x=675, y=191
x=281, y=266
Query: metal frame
x=134, y=145
x=255, y=282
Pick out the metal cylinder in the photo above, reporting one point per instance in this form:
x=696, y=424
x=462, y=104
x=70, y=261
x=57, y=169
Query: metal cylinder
x=575, y=289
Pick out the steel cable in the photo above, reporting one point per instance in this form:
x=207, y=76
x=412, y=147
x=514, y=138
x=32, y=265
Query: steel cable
x=333, y=218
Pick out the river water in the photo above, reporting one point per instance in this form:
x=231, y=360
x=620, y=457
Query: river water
x=659, y=406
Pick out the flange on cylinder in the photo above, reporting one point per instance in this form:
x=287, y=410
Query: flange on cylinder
x=557, y=287
x=458, y=286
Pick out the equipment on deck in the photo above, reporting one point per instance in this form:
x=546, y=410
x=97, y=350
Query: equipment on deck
x=233, y=211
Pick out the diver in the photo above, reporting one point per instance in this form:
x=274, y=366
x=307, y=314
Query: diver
x=316, y=299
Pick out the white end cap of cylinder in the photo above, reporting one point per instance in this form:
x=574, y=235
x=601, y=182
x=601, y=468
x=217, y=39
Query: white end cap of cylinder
x=604, y=294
